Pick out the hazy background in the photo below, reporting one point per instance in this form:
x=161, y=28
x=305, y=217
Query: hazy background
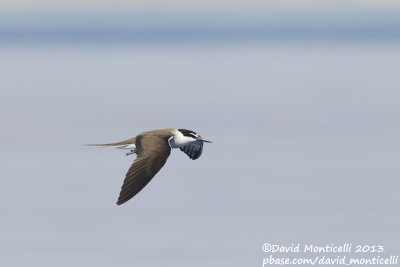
x=301, y=100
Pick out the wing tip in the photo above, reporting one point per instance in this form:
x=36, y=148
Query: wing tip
x=119, y=202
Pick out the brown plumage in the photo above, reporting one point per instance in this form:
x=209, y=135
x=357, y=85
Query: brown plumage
x=153, y=149
x=152, y=152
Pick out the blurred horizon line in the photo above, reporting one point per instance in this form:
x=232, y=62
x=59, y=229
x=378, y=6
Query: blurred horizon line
x=70, y=26
x=183, y=3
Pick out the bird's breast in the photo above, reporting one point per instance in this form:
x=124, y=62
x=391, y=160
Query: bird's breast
x=178, y=140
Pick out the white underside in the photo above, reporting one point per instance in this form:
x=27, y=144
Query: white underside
x=129, y=146
x=179, y=140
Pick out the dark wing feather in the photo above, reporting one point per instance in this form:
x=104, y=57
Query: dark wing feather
x=152, y=155
x=193, y=150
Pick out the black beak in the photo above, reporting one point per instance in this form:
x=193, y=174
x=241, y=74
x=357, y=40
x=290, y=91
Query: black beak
x=204, y=140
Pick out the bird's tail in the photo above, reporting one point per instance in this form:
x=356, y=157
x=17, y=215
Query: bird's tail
x=123, y=144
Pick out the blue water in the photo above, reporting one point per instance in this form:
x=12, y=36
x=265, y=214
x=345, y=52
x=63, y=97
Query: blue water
x=149, y=26
x=304, y=124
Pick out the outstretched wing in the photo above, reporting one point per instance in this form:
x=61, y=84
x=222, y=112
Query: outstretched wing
x=152, y=153
x=193, y=150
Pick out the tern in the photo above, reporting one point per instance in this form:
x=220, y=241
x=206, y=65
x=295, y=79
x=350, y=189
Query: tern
x=153, y=149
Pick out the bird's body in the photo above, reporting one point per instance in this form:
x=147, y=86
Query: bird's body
x=152, y=149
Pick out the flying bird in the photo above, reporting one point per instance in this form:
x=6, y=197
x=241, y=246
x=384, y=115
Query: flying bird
x=153, y=149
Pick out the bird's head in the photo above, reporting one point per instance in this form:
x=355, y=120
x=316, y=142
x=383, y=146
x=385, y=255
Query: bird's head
x=193, y=135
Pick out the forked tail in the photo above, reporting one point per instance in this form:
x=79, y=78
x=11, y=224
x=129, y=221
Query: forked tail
x=127, y=144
